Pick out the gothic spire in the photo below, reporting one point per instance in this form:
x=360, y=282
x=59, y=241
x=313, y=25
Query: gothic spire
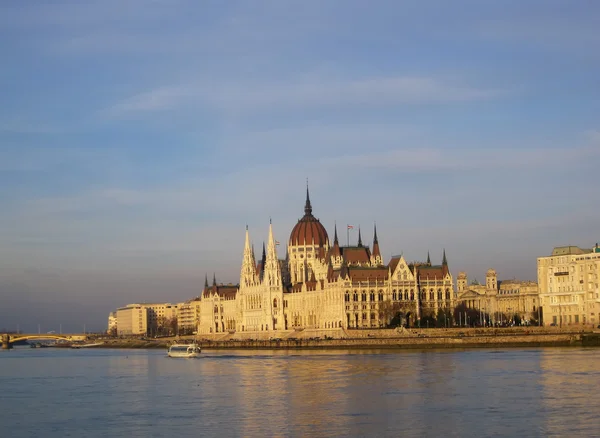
x=336, y=244
x=272, y=269
x=214, y=279
x=444, y=260
x=248, y=272
x=335, y=238
x=205, y=281
x=359, y=238
x=376, y=252
x=428, y=258
x=307, y=206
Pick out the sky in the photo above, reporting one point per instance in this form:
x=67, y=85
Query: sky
x=139, y=138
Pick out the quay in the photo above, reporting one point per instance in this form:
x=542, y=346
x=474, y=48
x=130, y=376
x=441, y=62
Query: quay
x=523, y=337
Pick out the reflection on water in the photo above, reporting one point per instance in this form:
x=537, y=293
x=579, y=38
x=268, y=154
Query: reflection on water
x=511, y=392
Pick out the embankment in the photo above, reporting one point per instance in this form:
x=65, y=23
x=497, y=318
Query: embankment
x=384, y=339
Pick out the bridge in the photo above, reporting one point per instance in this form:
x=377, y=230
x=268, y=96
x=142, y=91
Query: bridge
x=8, y=339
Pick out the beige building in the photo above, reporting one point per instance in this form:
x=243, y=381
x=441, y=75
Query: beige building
x=160, y=317
x=502, y=300
x=569, y=288
x=132, y=320
x=321, y=284
x=112, y=322
x=188, y=316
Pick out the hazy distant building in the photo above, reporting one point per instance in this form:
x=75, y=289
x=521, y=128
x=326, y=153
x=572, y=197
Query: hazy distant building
x=503, y=299
x=569, y=289
x=132, y=320
x=321, y=284
x=112, y=322
x=159, y=318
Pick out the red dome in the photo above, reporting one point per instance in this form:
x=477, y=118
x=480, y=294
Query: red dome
x=308, y=230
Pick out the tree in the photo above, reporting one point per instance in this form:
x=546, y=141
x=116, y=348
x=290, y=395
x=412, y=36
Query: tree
x=173, y=325
x=444, y=318
x=161, y=324
x=390, y=314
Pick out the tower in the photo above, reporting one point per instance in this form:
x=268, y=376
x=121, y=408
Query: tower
x=491, y=280
x=461, y=282
x=248, y=275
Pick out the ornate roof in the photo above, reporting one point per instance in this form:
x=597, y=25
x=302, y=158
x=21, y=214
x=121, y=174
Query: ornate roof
x=308, y=230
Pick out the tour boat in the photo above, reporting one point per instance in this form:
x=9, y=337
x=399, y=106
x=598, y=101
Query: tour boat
x=183, y=350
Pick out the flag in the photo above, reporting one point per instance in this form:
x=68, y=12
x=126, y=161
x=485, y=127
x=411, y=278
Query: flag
x=350, y=227
x=277, y=242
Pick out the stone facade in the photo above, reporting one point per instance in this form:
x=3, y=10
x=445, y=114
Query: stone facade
x=569, y=286
x=500, y=299
x=322, y=285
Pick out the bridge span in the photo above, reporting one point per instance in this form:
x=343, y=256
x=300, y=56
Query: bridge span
x=8, y=339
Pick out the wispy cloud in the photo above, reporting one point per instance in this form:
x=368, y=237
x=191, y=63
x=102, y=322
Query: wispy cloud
x=366, y=92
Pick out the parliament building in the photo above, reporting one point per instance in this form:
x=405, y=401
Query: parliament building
x=322, y=285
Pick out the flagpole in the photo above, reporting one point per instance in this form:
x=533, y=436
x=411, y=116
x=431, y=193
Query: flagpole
x=347, y=235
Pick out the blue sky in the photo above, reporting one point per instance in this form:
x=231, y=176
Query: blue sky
x=138, y=138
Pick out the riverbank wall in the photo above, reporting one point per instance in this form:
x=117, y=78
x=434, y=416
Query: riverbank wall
x=379, y=339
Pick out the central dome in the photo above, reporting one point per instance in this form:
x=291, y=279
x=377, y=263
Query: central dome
x=308, y=230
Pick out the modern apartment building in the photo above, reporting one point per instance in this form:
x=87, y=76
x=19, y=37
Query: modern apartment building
x=132, y=320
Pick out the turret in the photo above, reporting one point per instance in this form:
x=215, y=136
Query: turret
x=376, y=254
x=248, y=275
x=445, y=264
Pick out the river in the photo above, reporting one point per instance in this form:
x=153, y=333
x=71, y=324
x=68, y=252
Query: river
x=142, y=393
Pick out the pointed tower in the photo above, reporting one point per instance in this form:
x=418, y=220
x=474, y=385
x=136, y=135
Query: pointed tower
x=428, y=259
x=272, y=270
x=214, y=279
x=376, y=254
x=359, y=238
x=261, y=265
x=336, y=242
x=307, y=206
x=444, y=263
x=205, y=281
x=248, y=274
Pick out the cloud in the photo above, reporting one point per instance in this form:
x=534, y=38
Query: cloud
x=295, y=94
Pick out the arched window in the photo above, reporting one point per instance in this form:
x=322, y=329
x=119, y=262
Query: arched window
x=394, y=296
x=364, y=296
x=406, y=294
x=412, y=295
x=447, y=294
x=355, y=296
x=380, y=296
x=372, y=296
x=347, y=297
x=440, y=297
x=275, y=303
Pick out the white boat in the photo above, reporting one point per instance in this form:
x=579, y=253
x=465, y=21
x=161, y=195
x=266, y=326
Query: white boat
x=95, y=344
x=184, y=350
